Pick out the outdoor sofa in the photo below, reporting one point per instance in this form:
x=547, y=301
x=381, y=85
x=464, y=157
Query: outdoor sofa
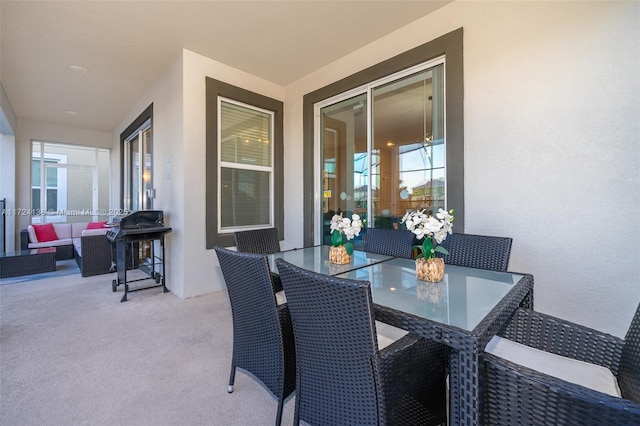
x=84, y=241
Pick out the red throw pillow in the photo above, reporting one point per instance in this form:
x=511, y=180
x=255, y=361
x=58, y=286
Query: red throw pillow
x=45, y=233
x=96, y=225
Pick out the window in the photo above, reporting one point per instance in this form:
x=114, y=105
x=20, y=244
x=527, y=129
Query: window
x=246, y=167
x=244, y=163
x=51, y=185
x=69, y=183
x=395, y=134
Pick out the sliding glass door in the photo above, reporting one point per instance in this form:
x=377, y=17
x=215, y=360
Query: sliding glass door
x=138, y=175
x=382, y=149
x=138, y=178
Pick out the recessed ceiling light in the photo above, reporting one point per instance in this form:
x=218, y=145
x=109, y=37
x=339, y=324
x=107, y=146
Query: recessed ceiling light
x=78, y=69
x=69, y=112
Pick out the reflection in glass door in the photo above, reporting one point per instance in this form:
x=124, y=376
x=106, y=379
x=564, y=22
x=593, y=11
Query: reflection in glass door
x=139, y=170
x=135, y=174
x=408, y=138
x=382, y=149
x=345, y=162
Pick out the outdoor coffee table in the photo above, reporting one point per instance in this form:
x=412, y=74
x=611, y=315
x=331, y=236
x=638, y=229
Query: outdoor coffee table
x=27, y=262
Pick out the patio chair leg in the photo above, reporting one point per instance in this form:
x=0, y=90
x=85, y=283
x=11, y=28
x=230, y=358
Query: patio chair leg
x=232, y=377
x=296, y=414
x=279, y=414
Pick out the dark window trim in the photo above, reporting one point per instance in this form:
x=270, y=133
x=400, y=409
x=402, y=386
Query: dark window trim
x=147, y=114
x=214, y=89
x=450, y=45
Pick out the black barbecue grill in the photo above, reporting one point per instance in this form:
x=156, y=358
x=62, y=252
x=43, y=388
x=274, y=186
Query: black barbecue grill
x=127, y=233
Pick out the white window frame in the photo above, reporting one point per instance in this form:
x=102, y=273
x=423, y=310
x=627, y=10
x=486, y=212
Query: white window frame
x=241, y=166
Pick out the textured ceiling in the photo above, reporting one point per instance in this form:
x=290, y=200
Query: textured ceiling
x=126, y=45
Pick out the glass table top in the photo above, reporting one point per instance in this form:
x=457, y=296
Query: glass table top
x=316, y=259
x=462, y=299
x=28, y=252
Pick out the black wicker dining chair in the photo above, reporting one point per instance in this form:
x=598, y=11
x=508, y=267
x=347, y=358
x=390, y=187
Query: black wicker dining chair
x=520, y=395
x=260, y=241
x=392, y=242
x=262, y=332
x=342, y=377
x=477, y=251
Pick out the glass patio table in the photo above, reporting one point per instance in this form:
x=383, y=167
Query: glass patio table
x=464, y=311
x=316, y=259
x=27, y=262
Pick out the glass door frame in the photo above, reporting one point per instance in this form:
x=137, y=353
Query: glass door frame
x=317, y=132
x=145, y=196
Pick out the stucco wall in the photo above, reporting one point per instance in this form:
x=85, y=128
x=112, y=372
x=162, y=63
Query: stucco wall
x=552, y=100
x=202, y=272
x=179, y=131
x=7, y=188
x=166, y=94
x=8, y=170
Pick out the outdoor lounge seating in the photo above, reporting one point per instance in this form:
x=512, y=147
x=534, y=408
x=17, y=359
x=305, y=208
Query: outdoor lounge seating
x=94, y=254
x=342, y=377
x=262, y=332
x=62, y=239
x=565, y=374
x=90, y=247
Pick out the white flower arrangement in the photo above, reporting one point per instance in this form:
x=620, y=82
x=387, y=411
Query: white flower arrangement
x=434, y=230
x=344, y=229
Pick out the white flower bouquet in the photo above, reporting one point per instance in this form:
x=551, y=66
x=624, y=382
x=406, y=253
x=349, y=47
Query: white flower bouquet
x=344, y=229
x=434, y=230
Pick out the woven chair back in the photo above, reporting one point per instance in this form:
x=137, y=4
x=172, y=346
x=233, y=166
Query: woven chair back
x=629, y=368
x=391, y=242
x=259, y=241
x=257, y=334
x=477, y=251
x=335, y=344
